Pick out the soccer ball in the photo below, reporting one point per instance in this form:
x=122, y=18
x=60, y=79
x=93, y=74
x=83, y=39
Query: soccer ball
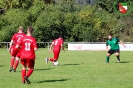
x=55, y=63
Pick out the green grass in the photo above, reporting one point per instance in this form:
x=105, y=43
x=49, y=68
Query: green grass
x=77, y=69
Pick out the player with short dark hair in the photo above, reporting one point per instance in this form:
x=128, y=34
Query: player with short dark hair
x=13, y=51
x=28, y=47
x=56, y=46
x=114, y=47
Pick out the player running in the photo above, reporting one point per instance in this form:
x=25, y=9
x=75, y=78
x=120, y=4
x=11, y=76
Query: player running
x=56, y=46
x=114, y=47
x=13, y=51
x=28, y=47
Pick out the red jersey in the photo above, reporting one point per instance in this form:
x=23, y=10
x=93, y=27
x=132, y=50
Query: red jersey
x=27, y=43
x=57, y=44
x=16, y=37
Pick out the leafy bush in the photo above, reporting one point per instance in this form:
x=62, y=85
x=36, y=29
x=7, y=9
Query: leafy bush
x=77, y=23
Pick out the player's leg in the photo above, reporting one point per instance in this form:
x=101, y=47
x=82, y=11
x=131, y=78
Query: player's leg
x=16, y=61
x=56, y=56
x=110, y=52
x=14, y=52
x=11, y=63
x=12, y=60
x=51, y=59
x=117, y=53
x=107, y=57
x=16, y=64
x=30, y=63
x=23, y=72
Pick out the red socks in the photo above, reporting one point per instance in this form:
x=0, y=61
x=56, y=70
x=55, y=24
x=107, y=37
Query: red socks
x=23, y=74
x=29, y=72
x=16, y=64
x=51, y=59
x=12, y=61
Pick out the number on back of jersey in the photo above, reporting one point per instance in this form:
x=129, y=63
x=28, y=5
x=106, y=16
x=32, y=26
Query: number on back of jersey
x=18, y=39
x=56, y=42
x=27, y=46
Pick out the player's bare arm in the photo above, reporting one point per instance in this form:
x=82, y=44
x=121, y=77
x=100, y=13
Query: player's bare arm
x=107, y=48
x=51, y=47
x=10, y=45
x=17, y=46
x=35, y=49
x=122, y=43
x=62, y=46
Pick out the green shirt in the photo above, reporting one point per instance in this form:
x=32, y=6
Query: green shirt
x=114, y=43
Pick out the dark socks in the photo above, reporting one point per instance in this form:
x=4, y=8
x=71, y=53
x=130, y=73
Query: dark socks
x=107, y=59
x=118, y=58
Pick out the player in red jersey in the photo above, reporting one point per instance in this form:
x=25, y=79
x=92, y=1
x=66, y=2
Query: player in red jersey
x=28, y=47
x=56, y=45
x=13, y=51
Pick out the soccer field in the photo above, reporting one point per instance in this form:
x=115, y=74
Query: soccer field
x=77, y=69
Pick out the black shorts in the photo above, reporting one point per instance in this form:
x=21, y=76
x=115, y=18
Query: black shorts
x=113, y=51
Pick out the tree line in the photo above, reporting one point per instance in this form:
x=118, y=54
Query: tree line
x=76, y=22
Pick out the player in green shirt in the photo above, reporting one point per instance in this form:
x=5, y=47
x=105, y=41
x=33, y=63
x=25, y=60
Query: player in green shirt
x=114, y=47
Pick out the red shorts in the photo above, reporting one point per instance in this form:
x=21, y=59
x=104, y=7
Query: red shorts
x=14, y=51
x=19, y=53
x=28, y=62
x=56, y=55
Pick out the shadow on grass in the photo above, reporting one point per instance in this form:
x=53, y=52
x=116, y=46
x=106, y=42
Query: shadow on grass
x=42, y=69
x=39, y=69
x=123, y=62
x=1, y=65
x=60, y=80
x=69, y=64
